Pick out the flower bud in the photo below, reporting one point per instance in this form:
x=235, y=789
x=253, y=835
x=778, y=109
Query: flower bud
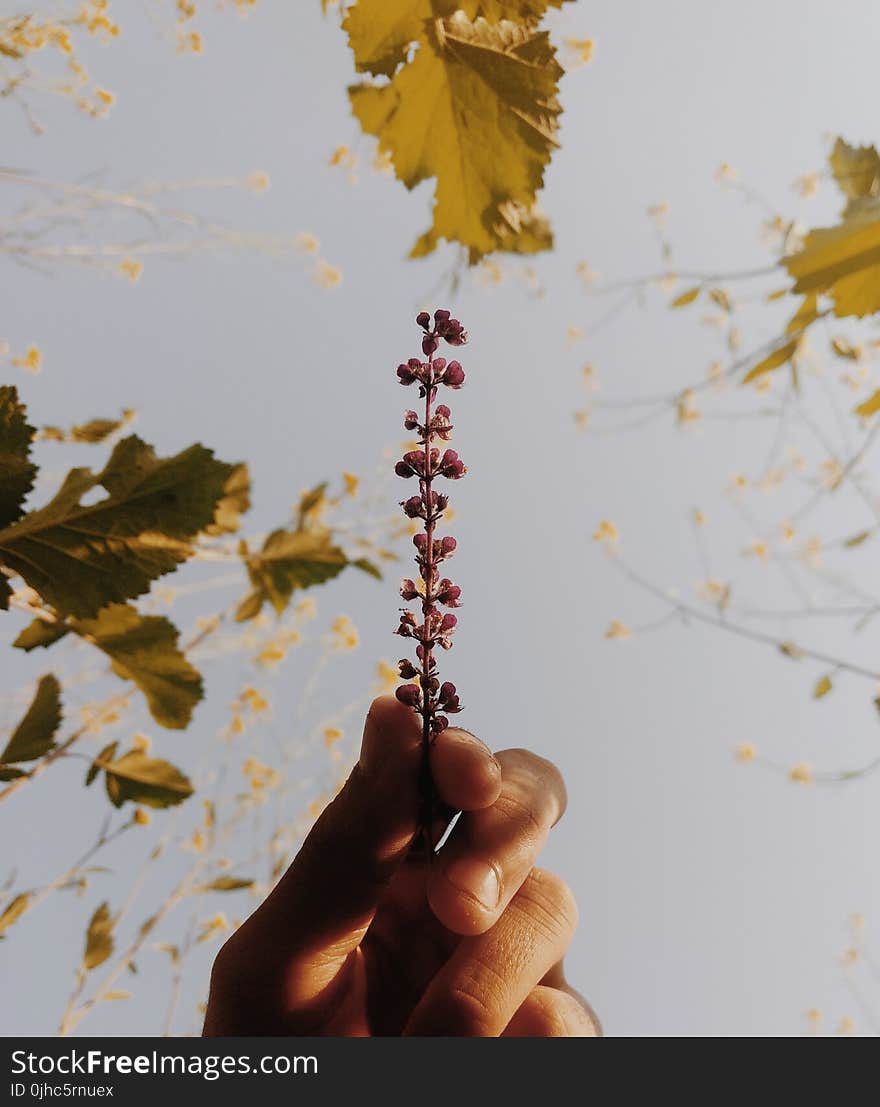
x=405, y=375
x=406, y=669
x=448, y=593
x=409, y=694
x=447, y=546
x=441, y=316
x=423, y=320
x=454, y=375
x=408, y=590
x=413, y=508
x=429, y=345
x=410, y=420
x=420, y=541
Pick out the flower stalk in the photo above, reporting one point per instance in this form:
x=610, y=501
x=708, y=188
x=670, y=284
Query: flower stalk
x=430, y=699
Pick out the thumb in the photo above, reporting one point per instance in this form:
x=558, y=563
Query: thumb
x=321, y=908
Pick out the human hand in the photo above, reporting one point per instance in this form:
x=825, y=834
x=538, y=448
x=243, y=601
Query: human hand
x=360, y=939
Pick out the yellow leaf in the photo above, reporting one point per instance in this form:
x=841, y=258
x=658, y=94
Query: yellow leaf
x=777, y=295
x=870, y=406
x=772, y=361
x=99, y=938
x=14, y=910
x=806, y=314
x=856, y=169
x=686, y=297
x=845, y=349
x=791, y=650
x=143, y=779
x=822, y=687
x=857, y=539
x=842, y=262
x=486, y=95
x=34, y=735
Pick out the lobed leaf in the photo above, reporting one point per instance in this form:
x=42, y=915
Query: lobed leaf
x=289, y=560
x=80, y=557
x=475, y=109
x=17, y=472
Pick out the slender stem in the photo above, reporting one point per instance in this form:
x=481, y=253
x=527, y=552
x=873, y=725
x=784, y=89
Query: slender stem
x=426, y=798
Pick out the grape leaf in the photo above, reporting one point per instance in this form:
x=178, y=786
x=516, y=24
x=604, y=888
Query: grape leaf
x=80, y=557
x=34, y=735
x=476, y=109
x=17, y=472
x=142, y=779
x=289, y=559
x=99, y=938
x=381, y=31
x=143, y=649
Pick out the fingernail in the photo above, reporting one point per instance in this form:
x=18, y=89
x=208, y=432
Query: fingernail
x=477, y=879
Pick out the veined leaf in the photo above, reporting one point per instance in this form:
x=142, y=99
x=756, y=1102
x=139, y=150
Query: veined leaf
x=143, y=649
x=485, y=93
x=17, y=472
x=34, y=735
x=81, y=557
x=842, y=262
x=99, y=938
x=381, y=31
x=143, y=779
x=289, y=559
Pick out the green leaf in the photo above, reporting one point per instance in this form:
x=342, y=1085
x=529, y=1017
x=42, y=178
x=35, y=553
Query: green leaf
x=17, y=472
x=99, y=938
x=33, y=737
x=13, y=911
x=224, y=884
x=143, y=779
x=40, y=633
x=143, y=649
x=234, y=502
x=81, y=557
x=289, y=559
x=486, y=94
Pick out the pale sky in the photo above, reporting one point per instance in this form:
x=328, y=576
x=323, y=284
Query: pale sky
x=714, y=897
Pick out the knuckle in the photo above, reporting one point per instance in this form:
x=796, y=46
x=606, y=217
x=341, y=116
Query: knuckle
x=537, y=777
x=550, y=901
x=467, y=1011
